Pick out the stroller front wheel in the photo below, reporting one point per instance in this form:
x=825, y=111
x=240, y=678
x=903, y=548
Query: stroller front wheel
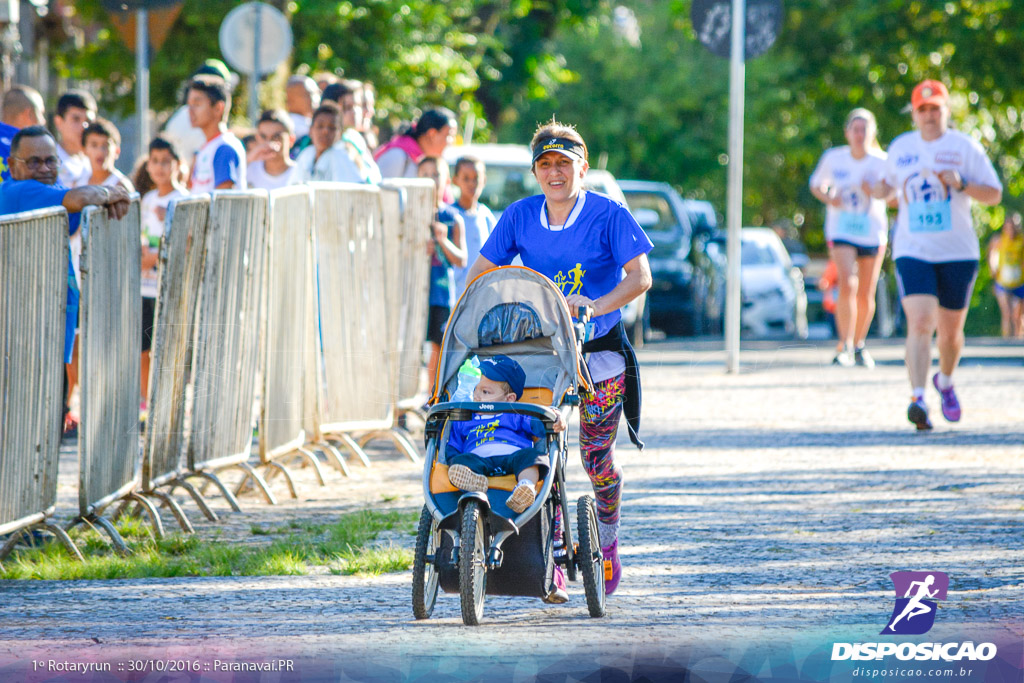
x=589, y=556
x=472, y=564
x=424, y=567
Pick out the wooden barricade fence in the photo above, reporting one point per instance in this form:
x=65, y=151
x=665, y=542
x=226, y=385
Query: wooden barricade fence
x=227, y=344
x=110, y=341
x=33, y=298
x=170, y=367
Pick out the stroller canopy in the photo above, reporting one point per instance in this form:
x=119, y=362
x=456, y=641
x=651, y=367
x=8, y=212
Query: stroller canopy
x=518, y=312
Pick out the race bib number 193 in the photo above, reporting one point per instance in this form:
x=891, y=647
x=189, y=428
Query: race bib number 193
x=929, y=216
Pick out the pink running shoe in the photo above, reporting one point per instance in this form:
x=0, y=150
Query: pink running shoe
x=950, y=404
x=612, y=567
x=558, y=594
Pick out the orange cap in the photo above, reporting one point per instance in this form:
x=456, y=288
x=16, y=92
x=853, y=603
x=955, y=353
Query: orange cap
x=929, y=92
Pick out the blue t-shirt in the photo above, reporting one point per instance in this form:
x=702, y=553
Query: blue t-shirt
x=585, y=256
x=442, y=275
x=479, y=225
x=7, y=134
x=519, y=431
x=27, y=195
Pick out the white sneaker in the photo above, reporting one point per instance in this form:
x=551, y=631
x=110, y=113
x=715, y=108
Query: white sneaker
x=466, y=479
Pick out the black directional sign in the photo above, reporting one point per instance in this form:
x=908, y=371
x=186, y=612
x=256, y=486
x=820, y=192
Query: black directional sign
x=712, y=21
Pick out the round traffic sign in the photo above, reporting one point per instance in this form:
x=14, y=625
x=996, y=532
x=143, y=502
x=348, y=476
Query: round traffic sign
x=712, y=21
x=238, y=38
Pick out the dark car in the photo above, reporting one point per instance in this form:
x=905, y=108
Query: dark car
x=689, y=286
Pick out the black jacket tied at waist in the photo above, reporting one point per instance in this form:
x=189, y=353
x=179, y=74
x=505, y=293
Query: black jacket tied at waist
x=615, y=340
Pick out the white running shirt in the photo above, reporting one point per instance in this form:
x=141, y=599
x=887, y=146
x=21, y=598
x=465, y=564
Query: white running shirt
x=861, y=220
x=934, y=222
x=219, y=160
x=258, y=178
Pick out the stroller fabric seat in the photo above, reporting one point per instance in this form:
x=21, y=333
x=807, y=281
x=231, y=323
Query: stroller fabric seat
x=439, y=481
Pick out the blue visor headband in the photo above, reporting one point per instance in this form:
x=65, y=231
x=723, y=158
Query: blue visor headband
x=569, y=148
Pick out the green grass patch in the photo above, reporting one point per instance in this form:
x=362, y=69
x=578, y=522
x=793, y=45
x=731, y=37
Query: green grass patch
x=345, y=546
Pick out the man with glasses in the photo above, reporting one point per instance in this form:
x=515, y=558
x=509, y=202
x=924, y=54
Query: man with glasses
x=34, y=165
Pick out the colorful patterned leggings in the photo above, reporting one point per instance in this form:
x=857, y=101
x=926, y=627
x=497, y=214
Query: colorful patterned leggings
x=599, y=423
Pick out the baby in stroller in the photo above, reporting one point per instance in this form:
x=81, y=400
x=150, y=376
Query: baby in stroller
x=495, y=444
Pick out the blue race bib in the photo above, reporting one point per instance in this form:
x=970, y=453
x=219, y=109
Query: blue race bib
x=929, y=216
x=853, y=224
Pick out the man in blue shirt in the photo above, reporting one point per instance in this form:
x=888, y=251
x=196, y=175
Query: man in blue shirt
x=34, y=163
x=22, y=107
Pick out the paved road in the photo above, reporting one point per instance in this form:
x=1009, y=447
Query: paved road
x=768, y=507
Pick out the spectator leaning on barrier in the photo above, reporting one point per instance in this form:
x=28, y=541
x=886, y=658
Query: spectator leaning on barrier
x=75, y=111
x=162, y=166
x=22, y=107
x=33, y=185
x=220, y=163
x=327, y=158
x=270, y=167
x=101, y=142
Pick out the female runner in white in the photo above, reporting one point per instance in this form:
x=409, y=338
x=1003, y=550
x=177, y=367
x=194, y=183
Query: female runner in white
x=856, y=229
x=936, y=172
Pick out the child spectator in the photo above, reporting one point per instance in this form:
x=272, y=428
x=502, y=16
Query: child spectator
x=349, y=96
x=447, y=248
x=75, y=111
x=162, y=167
x=101, y=142
x=270, y=167
x=326, y=158
x=470, y=178
x=494, y=444
x=220, y=163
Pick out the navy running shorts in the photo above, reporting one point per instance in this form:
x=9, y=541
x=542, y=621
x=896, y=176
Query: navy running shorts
x=862, y=252
x=437, y=320
x=951, y=281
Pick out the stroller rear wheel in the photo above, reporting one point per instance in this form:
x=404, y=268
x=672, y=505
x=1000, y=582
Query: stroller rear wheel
x=589, y=555
x=472, y=564
x=424, y=569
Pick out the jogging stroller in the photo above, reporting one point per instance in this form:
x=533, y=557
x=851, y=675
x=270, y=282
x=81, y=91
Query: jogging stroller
x=471, y=543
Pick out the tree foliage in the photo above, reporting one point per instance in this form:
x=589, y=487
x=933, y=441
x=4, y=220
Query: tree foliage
x=660, y=111
x=470, y=55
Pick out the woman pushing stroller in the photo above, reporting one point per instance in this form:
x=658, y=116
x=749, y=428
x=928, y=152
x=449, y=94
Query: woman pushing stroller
x=583, y=242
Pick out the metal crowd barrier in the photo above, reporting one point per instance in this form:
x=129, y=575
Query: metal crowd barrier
x=227, y=345
x=33, y=299
x=181, y=263
x=402, y=268
x=413, y=303
x=110, y=329
x=289, y=364
x=350, y=266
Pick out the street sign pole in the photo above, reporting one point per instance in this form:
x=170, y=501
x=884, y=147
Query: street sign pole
x=254, y=76
x=737, y=79
x=142, y=77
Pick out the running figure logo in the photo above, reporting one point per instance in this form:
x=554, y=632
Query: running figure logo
x=914, y=612
x=574, y=280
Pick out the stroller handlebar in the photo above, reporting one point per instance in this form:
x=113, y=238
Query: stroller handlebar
x=464, y=410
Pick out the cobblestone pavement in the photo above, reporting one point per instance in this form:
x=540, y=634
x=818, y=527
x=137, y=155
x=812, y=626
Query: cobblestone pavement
x=768, y=505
